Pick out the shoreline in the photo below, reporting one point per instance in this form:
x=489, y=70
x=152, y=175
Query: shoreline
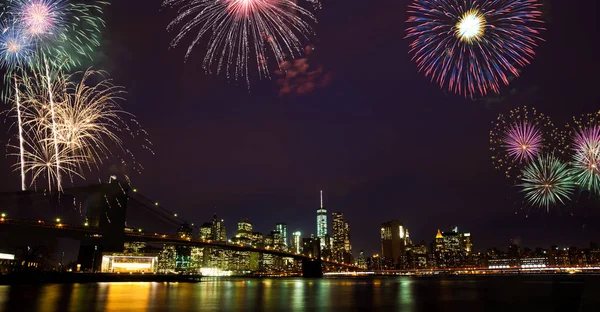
x=20, y=278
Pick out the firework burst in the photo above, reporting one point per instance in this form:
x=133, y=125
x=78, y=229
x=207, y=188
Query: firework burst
x=547, y=182
x=40, y=18
x=473, y=46
x=239, y=28
x=16, y=48
x=87, y=125
x=519, y=137
x=586, y=158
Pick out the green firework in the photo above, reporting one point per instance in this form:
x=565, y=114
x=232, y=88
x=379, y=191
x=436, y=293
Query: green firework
x=547, y=182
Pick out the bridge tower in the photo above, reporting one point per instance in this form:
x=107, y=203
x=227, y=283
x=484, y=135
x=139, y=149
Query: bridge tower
x=106, y=209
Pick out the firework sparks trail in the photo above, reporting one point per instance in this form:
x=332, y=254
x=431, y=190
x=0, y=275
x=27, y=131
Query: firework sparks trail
x=87, y=118
x=54, y=129
x=547, y=181
x=472, y=47
x=518, y=137
x=586, y=158
x=239, y=27
x=21, y=148
x=523, y=141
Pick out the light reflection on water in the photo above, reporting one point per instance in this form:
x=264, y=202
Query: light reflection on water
x=394, y=293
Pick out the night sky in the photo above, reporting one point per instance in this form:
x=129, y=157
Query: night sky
x=380, y=140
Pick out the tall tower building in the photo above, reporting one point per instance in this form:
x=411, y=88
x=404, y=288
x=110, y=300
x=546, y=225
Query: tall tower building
x=338, y=233
x=322, y=222
x=282, y=228
x=297, y=242
x=218, y=231
x=393, y=242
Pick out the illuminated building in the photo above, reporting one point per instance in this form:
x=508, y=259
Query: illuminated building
x=274, y=241
x=337, y=230
x=311, y=247
x=128, y=264
x=218, y=231
x=183, y=255
x=244, y=235
x=185, y=230
x=196, y=259
x=322, y=222
x=347, y=258
x=244, y=228
x=361, y=261
x=282, y=228
x=257, y=239
x=452, y=249
x=206, y=230
x=393, y=243
x=134, y=247
x=7, y=262
x=166, y=259
x=297, y=242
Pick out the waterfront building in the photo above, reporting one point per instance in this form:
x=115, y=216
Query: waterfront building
x=297, y=242
x=206, y=231
x=244, y=235
x=196, y=259
x=166, y=259
x=452, y=249
x=393, y=243
x=185, y=230
x=322, y=222
x=311, y=247
x=338, y=233
x=121, y=263
x=218, y=231
x=361, y=261
x=281, y=227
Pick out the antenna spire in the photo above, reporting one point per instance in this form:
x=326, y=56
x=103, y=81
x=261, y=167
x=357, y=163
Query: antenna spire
x=321, y=199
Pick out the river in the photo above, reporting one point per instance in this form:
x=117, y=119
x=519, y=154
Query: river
x=501, y=293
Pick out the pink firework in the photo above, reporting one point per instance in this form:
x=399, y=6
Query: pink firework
x=523, y=141
x=586, y=158
x=40, y=17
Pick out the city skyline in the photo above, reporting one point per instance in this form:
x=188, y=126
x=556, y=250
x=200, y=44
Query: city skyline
x=380, y=139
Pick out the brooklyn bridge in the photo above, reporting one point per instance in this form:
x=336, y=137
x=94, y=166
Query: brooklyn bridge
x=105, y=217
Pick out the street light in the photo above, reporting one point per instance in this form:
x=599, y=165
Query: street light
x=3, y=215
x=57, y=220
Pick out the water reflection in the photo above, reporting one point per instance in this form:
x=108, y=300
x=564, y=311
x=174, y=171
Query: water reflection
x=363, y=294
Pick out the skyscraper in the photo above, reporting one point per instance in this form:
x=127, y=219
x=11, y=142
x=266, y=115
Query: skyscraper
x=337, y=230
x=206, y=230
x=282, y=228
x=297, y=242
x=393, y=242
x=185, y=230
x=218, y=231
x=322, y=222
x=347, y=245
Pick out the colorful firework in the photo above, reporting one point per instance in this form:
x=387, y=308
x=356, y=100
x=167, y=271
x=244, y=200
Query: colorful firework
x=87, y=124
x=547, y=182
x=79, y=36
x=40, y=18
x=523, y=141
x=91, y=115
x=472, y=46
x=16, y=48
x=239, y=28
x=586, y=158
x=519, y=137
